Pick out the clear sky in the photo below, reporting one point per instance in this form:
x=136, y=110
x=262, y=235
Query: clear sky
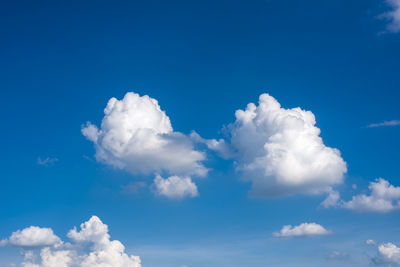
x=186, y=181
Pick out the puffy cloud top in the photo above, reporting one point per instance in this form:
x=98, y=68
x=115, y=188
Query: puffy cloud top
x=33, y=236
x=384, y=197
x=389, y=252
x=281, y=152
x=304, y=229
x=95, y=249
x=175, y=187
x=136, y=135
x=91, y=231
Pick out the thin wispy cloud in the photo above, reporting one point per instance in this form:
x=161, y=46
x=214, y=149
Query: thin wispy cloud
x=384, y=123
x=337, y=255
x=392, y=16
x=47, y=161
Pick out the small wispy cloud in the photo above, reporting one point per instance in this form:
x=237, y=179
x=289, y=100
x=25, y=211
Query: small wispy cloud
x=47, y=161
x=133, y=187
x=337, y=255
x=384, y=123
x=393, y=16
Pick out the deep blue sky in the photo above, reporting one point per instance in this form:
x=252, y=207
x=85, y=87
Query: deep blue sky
x=60, y=62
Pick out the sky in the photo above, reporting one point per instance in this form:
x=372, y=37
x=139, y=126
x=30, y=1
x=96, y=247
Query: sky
x=200, y=133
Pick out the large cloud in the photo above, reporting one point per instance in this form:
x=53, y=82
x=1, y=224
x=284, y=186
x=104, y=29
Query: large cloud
x=383, y=197
x=304, y=229
x=281, y=152
x=33, y=236
x=136, y=135
x=92, y=248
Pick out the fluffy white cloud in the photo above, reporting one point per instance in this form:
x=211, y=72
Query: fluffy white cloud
x=32, y=236
x=175, y=187
x=383, y=197
x=390, y=252
x=93, y=249
x=393, y=15
x=137, y=136
x=304, y=229
x=281, y=152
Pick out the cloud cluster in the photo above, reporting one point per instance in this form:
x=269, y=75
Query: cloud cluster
x=92, y=247
x=304, y=229
x=383, y=197
x=137, y=136
x=393, y=15
x=175, y=187
x=280, y=150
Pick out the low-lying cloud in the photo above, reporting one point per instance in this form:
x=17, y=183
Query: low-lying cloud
x=304, y=229
x=91, y=247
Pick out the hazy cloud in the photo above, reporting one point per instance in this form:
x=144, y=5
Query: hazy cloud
x=393, y=16
x=47, y=161
x=385, y=123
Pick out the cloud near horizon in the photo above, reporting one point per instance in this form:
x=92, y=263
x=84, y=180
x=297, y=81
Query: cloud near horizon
x=304, y=229
x=92, y=247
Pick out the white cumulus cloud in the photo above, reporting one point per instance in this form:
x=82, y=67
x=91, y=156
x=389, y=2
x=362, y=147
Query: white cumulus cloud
x=383, y=197
x=92, y=248
x=137, y=136
x=32, y=236
x=280, y=150
x=304, y=229
x=175, y=187
x=389, y=252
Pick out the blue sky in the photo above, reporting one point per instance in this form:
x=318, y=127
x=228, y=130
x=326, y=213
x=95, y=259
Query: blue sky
x=61, y=62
